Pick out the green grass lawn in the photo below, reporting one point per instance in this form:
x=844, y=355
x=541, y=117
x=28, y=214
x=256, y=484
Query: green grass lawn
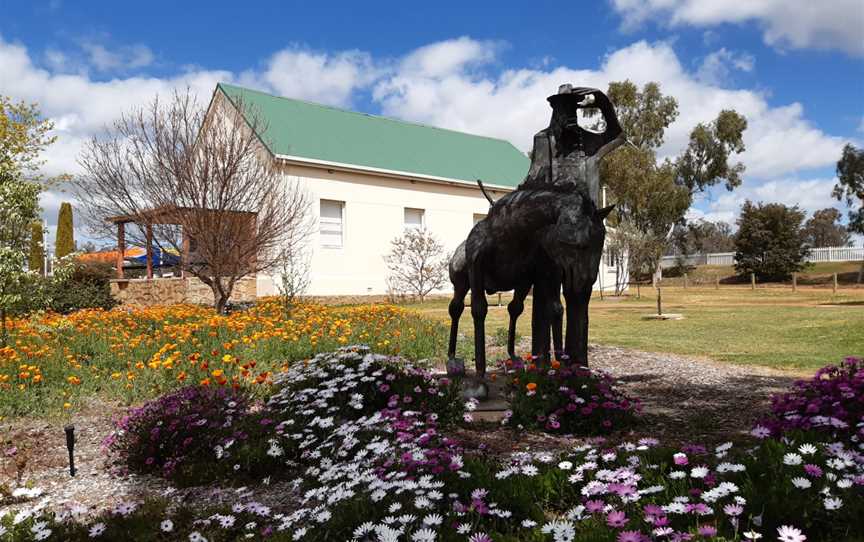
x=772, y=326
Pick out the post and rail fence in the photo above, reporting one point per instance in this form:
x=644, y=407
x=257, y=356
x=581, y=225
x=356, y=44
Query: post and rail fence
x=816, y=255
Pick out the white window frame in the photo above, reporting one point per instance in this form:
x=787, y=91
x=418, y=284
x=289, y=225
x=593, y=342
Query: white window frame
x=332, y=221
x=406, y=225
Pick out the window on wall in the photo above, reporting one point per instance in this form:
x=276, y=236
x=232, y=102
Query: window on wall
x=413, y=218
x=331, y=223
x=478, y=217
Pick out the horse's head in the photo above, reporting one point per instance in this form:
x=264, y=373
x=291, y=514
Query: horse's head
x=575, y=243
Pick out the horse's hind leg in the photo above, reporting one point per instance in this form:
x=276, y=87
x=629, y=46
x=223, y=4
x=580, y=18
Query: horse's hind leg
x=457, y=305
x=515, y=308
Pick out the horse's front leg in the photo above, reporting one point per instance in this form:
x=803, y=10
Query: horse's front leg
x=479, y=308
x=514, y=309
x=541, y=320
x=576, y=339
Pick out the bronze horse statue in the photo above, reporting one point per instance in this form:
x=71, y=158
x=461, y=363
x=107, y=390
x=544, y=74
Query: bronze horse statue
x=546, y=234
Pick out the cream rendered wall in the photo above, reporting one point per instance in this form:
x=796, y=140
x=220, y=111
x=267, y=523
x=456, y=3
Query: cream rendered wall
x=373, y=215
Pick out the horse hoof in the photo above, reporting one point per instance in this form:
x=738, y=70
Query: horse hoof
x=455, y=367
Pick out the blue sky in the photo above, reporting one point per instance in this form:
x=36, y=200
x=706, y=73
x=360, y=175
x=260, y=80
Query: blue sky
x=795, y=68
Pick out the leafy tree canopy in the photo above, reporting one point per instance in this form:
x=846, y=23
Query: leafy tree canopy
x=702, y=237
x=770, y=240
x=850, y=185
x=824, y=229
x=24, y=134
x=654, y=196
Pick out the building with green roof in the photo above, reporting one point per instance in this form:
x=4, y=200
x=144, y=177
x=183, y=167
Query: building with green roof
x=370, y=178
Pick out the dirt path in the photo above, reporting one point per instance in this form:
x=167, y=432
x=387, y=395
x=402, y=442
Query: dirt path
x=692, y=399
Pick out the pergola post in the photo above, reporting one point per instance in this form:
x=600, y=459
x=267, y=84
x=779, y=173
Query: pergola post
x=149, y=235
x=184, y=257
x=121, y=248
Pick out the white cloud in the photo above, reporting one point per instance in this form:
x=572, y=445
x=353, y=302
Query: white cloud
x=448, y=57
x=117, y=58
x=316, y=76
x=809, y=194
x=452, y=84
x=512, y=104
x=716, y=68
x=797, y=24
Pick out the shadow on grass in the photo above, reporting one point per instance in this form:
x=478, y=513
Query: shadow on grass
x=859, y=303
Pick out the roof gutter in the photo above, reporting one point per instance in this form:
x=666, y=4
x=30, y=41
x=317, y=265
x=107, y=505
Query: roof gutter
x=354, y=168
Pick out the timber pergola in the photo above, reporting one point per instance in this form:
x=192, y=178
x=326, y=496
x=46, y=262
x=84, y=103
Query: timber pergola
x=168, y=216
x=165, y=215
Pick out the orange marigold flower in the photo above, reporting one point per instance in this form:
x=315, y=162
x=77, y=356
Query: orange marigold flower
x=531, y=386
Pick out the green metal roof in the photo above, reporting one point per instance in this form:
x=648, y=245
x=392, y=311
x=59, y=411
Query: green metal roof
x=319, y=132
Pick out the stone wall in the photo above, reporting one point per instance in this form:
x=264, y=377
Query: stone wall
x=170, y=291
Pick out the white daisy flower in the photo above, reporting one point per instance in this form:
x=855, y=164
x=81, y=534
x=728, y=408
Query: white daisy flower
x=792, y=459
x=433, y=519
x=699, y=472
x=807, y=449
x=423, y=535
x=833, y=503
x=801, y=483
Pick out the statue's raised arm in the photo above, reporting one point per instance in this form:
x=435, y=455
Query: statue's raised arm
x=583, y=129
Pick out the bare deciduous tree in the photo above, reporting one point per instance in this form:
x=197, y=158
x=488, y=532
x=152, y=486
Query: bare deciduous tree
x=294, y=278
x=417, y=263
x=203, y=183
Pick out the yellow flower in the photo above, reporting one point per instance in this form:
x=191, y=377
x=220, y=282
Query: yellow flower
x=67, y=405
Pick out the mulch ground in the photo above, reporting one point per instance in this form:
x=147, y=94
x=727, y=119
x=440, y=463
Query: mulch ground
x=685, y=400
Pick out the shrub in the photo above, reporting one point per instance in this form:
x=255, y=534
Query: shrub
x=832, y=402
x=64, y=243
x=85, y=287
x=566, y=400
x=769, y=241
x=181, y=435
x=633, y=491
x=357, y=384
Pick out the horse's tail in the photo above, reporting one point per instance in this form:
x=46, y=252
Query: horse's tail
x=486, y=194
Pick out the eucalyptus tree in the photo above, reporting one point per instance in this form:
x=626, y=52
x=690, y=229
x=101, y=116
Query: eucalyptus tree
x=653, y=195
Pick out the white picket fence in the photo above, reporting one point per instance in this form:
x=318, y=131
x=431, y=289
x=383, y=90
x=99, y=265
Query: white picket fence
x=826, y=254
